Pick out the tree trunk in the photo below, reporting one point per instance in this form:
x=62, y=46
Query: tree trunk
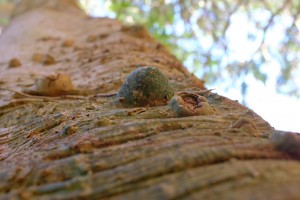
x=66, y=132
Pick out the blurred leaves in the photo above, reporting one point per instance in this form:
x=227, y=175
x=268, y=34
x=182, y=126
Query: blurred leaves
x=5, y=10
x=223, y=40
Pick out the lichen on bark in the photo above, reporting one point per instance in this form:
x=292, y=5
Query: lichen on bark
x=145, y=86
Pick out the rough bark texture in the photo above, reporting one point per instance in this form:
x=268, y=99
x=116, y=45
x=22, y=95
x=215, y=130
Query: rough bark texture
x=82, y=145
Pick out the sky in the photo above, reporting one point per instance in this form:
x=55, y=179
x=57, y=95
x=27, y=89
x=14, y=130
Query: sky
x=281, y=111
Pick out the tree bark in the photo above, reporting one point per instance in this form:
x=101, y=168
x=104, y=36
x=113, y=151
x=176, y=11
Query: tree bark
x=85, y=143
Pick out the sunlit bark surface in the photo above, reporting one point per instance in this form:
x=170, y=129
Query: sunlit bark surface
x=83, y=144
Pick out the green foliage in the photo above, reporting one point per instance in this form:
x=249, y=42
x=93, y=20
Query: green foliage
x=204, y=34
x=221, y=38
x=3, y=21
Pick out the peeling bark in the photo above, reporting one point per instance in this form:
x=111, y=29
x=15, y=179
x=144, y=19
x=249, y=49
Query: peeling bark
x=83, y=145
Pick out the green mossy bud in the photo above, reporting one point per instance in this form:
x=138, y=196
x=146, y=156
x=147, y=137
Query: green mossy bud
x=145, y=86
x=287, y=142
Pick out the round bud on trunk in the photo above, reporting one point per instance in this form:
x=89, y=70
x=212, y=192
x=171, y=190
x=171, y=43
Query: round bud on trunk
x=145, y=86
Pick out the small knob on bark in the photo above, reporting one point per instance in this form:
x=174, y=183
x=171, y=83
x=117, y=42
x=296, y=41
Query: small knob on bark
x=190, y=104
x=145, y=86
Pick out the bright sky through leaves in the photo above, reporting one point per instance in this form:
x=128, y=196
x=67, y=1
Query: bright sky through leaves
x=279, y=110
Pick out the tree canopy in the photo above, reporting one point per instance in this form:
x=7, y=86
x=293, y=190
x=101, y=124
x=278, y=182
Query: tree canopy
x=223, y=40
